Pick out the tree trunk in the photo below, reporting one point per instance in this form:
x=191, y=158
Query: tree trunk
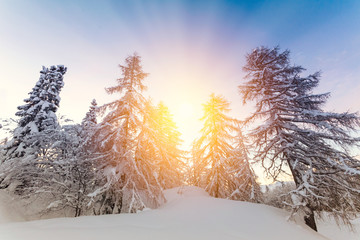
x=310, y=220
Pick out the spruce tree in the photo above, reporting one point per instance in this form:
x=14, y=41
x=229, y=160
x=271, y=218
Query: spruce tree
x=38, y=114
x=90, y=117
x=298, y=137
x=88, y=128
x=45, y=160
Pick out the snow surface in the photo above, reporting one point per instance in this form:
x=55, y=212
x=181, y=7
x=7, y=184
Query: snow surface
x=188, y=214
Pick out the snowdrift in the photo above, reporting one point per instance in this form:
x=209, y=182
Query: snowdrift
x=188, y=214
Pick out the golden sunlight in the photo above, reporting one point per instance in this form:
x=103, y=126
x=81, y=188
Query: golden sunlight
x=185, y=111
x=186, y=116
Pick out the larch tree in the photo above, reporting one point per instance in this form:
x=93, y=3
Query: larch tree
x=171, y=165
x=214, y=160
x=299, y=138
x=160, y=140
x=130, y=182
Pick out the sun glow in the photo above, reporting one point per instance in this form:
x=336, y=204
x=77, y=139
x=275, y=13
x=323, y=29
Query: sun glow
x=185, y=111
x=186, y=116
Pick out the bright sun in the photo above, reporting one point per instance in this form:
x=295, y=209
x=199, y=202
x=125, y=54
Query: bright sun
x=185, y=111
x=186, y=116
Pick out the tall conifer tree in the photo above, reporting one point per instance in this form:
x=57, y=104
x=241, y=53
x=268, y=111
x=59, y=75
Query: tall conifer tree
x=160, y=140
x=38, y=113
x=244, y=181
x=89, y=128
x=130, y=183
x=298, y=137
x=216, y=161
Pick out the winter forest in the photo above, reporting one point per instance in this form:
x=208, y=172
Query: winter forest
x=126, y=153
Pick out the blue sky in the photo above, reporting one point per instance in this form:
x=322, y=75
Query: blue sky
x=190, y=49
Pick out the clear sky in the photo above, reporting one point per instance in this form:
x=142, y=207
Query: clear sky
x=190, y=48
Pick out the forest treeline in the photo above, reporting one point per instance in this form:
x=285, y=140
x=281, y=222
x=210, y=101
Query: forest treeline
x=125, y=153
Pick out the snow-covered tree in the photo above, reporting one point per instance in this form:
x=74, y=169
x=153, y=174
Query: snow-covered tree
x=171, y=164
x=38, y=114
x=298, y=137
x=159, y=140
x=61, y=180
x=243, y=176
x=130, y=181
x=277, y=194
x=89, y=128
x=217, y=164
x=36, y=131
x=44, y=160
x=90, y=117
x=74, y=178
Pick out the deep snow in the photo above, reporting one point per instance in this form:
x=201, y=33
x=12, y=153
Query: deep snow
x=188, y=214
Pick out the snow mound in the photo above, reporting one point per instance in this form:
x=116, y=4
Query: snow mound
x=9, y=212
x=184, y=191
x=330, y=229
x=188, y=214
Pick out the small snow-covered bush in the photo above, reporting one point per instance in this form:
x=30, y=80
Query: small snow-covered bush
x=278, y=194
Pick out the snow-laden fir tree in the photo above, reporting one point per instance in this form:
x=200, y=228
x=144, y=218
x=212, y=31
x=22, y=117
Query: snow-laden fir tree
x=131, y=182
x=37, y=115
x=90, y=117
x=36, y=131
x=217, y=164
x=159, y=141
x=299, y=137
x=46, y=161
x=89, y=128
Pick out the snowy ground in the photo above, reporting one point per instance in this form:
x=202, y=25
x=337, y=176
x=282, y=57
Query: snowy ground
x=189, y=214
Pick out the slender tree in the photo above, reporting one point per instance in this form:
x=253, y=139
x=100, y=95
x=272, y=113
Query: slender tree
x=171, y=166
x=90, y=117
x=243, y=176
x=130, y=183
x=160, y=141
x=213, y=152
x=89, y=127
x=298, y=137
